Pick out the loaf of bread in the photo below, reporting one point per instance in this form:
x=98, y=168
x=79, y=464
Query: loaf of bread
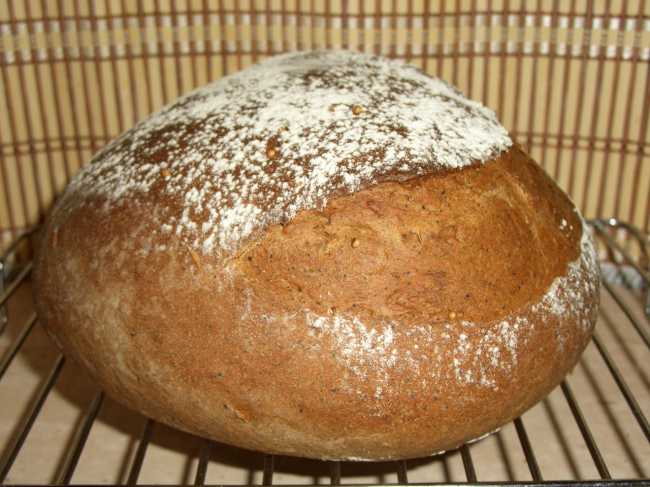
x=328, y=255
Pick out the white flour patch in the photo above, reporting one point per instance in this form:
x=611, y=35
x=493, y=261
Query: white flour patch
x=254, y=148
x=468, y=353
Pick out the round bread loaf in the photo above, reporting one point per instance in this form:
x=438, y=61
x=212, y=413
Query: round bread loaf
x=327, y=255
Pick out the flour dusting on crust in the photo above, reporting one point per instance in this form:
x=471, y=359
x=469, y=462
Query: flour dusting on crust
x=254, y=148
x=479, y=352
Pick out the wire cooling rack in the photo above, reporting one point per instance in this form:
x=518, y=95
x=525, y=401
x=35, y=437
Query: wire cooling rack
x=607, y=460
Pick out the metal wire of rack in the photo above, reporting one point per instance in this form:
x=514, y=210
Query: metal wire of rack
x=606, y=230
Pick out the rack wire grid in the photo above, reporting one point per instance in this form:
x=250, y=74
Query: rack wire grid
x=613, y=384
x=569, y=79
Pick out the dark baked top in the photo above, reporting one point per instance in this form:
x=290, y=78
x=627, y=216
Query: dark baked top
x=255, y=148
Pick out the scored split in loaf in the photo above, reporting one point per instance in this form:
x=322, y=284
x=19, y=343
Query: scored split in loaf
x=328, y=255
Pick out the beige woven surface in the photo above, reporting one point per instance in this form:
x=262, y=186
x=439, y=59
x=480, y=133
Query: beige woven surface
x=569, y=79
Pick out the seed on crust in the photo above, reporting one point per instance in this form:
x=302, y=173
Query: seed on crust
x=195, y=257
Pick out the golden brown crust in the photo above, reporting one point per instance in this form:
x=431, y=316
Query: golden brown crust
x=400, y=320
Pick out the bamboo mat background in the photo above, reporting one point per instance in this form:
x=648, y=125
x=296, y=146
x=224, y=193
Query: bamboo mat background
x=569, y=79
